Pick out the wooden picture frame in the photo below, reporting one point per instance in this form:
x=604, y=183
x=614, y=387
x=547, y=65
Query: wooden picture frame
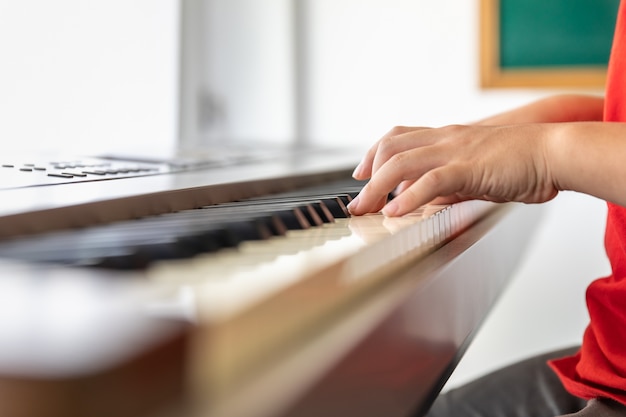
x=495, y=73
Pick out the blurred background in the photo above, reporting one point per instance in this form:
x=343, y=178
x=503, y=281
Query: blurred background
x=99, y=76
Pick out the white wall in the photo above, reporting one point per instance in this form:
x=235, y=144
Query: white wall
x=376, y=64
x=95, y=75
x=103, y=74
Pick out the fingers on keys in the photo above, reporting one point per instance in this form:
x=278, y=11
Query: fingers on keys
x=428, y=181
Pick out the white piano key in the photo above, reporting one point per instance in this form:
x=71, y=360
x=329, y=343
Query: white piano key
x=353, y=249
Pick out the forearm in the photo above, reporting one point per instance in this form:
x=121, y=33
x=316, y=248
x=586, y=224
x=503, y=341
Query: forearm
x=589, y=158
x=558, y=108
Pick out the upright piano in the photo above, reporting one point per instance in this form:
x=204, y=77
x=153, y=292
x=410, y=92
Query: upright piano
x=234, y=284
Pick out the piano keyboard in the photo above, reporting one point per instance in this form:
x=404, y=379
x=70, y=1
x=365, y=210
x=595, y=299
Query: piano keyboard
x=251, y=265
x=231, y=262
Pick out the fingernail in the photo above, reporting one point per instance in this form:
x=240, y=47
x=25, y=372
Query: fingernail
x=353, y=205
x=357, y=171
x=390, y=209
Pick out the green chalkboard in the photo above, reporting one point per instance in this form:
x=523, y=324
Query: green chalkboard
x=556, y=33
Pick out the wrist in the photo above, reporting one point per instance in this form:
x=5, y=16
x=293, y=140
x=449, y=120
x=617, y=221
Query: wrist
x=557, y=154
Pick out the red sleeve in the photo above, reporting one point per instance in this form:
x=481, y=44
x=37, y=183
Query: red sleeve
x=599, y=368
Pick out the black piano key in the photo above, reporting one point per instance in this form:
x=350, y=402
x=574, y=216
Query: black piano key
x=323, y=212
x=308, y=204
x=345, y=199
x=110, y=239
x=300, y=208
x=136, y=243
x=231, y=235
x=293, y=219
x=244, y=231
x=276, y=226
x=317, y=210
x=228, y=236
x=181, y=224
x=337, y=207
x=311, y=216
x=162, y=252
x=277, y=217
x=141, y=257
x=204, y=242
x=120, y=262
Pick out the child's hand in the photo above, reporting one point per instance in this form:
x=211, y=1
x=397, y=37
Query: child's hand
x=454, y=163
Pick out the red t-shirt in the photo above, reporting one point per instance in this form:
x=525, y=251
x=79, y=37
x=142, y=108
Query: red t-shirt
x=599, y=368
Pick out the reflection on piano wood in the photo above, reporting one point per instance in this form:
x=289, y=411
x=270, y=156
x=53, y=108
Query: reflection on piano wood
x=275, y=305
